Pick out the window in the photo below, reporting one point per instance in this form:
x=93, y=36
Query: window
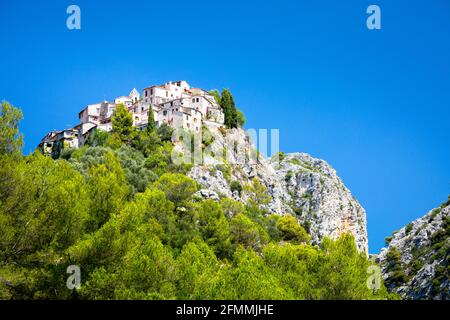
x=171, y=104
x=146, y=92
x=167, y=93
x=193, y=99
x=198, y=99
x=165, y=113
x=151, y=91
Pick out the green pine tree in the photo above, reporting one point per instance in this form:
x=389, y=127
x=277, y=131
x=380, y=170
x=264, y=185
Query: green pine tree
x=122, y=124
x=10, y=140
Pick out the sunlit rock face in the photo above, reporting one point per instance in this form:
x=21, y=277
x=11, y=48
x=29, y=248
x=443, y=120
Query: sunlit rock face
x=298, y=184
x=422, y=248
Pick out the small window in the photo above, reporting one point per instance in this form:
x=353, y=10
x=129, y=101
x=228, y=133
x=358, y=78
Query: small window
x=165, y=113
x=146, y=92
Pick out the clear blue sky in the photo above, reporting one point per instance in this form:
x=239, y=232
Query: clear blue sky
x=374, y=104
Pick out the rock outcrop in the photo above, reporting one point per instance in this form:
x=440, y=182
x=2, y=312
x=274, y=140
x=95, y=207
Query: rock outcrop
x=320, y=199
x=297, y=183
x=415, y=264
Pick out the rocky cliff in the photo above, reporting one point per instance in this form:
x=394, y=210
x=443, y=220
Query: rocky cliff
x=415, y=263
x=320, y=199
x=298, y=184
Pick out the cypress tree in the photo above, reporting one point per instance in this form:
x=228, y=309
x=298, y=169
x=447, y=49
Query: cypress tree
x=151, y=126
x=227, y=103
x=234, y=115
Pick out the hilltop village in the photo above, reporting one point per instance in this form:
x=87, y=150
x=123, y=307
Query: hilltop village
x=175, y=103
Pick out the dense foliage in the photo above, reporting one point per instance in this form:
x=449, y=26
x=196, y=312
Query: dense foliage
x=130, y=219
x=233, y=116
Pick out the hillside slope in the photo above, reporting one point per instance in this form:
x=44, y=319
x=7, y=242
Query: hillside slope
x=297, y=183
x=415, y=263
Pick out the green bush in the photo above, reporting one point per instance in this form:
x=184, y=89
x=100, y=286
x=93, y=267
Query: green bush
x=408, y=228
x=236, y=186
x=165, y=132
x=291, y=230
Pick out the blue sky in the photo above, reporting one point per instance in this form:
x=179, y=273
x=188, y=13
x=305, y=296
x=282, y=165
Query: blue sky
x=374, y=104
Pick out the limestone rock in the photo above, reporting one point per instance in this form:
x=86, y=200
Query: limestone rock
x=299, y=184
x=207, y=194
x=424, y=247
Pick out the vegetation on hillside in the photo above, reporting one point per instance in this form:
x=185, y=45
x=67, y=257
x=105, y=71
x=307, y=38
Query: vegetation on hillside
x=127, y=216
x=233, y=116
x=436, y=253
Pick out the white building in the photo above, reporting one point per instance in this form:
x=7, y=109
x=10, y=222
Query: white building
x=55, y=141
x=162, y=93
x=174, y=103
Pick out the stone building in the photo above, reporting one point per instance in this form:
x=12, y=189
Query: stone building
x=173, y=103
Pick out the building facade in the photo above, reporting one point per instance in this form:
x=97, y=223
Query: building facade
x=174, y=103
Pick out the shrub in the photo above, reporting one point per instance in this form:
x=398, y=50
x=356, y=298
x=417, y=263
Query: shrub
x=288, y=176
x=165, y=132
x=408, y=228
x=177, y=187
x=387, y=240
x=236, y=186
x=98, y=138
x=281, y=156
x=291, y=230
x=207, y=136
